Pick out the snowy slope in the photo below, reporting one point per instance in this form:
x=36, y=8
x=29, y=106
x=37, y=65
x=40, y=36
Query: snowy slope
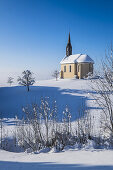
x=65, y=92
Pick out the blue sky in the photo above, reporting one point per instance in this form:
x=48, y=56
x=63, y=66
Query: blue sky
x=34, y=33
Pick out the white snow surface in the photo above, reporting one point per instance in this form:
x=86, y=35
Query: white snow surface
x=70, y=59
x=84, y=59
x=77, y=58
x=68, y=160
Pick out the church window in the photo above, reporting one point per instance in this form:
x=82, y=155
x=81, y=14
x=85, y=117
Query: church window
x=64, y=68
x=78, y=69
x=70, y=68
x=90, y=67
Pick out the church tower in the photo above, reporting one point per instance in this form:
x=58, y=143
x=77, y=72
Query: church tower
x=69, y=47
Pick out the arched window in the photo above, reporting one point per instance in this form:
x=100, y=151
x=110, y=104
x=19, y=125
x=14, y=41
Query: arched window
x=70, y=68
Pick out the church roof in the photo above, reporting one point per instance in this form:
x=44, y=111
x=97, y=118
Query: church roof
x=76, y=58
x=70, y=59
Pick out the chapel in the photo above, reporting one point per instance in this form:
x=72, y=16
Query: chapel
x=75, y=65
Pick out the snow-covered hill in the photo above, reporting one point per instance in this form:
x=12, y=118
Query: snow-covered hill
x=66, y=92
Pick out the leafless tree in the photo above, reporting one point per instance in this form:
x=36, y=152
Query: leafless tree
x=56, y=74
x=26, y=79
x=104, y=89
x=10, y=80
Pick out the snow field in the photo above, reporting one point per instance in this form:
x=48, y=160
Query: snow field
x=65, y=92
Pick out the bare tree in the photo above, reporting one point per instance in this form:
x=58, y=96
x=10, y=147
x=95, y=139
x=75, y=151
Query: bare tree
x=56, y=74
x=104, y=89
x=26, y=79
x=10, y=80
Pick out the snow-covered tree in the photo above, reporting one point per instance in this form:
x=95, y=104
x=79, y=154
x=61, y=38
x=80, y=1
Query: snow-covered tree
x=10, y=80
x=56, y=74
x=27, y=79
x=104, y=89
x=67, y=120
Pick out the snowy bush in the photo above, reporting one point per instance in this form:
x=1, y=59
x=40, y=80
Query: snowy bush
x=40, y=130
x=40, y=127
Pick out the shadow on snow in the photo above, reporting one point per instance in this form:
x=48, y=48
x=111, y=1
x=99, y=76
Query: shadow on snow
x=13, y=99
x=4, y=165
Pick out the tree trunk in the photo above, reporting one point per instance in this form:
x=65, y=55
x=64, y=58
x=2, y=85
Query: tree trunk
x=27, y=88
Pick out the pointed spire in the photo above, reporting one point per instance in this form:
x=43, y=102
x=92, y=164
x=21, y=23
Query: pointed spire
x=69, y=47
x=69, y=41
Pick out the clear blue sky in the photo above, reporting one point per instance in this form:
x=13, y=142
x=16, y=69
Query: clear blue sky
x=34, y=33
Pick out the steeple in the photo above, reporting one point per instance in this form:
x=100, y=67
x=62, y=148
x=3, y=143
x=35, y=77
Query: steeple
x=69, y=38
x=69, y=47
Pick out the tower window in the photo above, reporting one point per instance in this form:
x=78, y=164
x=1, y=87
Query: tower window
x=70, y=68
x=64, y=68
